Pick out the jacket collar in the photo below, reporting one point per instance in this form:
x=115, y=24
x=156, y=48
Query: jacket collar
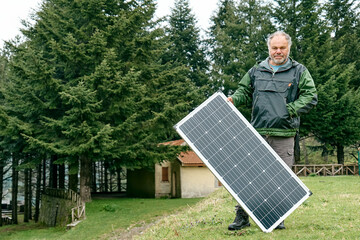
x=290, y=63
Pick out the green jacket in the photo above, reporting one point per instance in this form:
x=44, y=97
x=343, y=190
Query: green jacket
x=278, y=98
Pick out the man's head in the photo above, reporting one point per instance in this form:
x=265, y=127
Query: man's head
x=279, y=44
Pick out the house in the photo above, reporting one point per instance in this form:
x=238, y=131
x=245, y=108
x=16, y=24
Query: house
x=186, y=177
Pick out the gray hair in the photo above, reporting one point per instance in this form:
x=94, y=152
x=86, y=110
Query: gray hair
x=281, y=33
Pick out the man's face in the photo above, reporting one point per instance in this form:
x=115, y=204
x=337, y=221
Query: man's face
x=278, y=50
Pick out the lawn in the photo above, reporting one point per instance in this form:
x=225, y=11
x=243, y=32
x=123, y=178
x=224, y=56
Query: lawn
x=332, y=212
x=106, y=219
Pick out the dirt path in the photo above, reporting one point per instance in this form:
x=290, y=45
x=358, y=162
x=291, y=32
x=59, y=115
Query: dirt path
x=130, y=232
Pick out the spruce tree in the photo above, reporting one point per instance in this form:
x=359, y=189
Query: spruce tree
x=345, y=24
x=90, y=84
x=336, y=119
x=185, y=45
x=238, y=40
x=73, y=41
x=338, y=80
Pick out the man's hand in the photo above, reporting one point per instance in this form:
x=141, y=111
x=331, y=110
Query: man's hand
x=230, y=100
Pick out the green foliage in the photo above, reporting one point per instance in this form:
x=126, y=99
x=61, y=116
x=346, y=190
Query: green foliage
x=109, y=208
x=328, y=50
x=101, y=80
x=337, y=115
x=185, y=46
x=237, y=40
x=90, y=83
x=337, y=112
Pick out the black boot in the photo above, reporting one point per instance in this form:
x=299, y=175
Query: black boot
x=241, y=219
x=281, y=225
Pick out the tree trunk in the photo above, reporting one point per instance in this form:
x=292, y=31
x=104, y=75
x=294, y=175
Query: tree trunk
x=110, y=181
x=118, y=177
x=340, y=154
x=1, y=188
x=30, y=194
x=14, y=191
x=62, y=176
x=101, y=176
x=297, y=148
x=85, y=178
x=93, y=179
x=53, y=172
x=44, y=173
x=73, y=176
x=106, y=177
x=325, y=154
x=305, y=151
x=26, y=195
x=38, y=191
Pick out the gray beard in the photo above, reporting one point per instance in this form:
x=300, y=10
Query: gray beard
x=279, y=62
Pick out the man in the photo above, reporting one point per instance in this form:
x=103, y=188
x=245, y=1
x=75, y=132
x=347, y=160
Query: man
x=280, y=90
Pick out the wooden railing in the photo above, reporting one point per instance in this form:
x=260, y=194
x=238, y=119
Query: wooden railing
x=326, y=169
x=78, y=213
x=64, y=194
x=6, y=220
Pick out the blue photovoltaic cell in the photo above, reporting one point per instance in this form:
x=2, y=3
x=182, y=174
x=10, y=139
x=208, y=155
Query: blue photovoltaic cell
x=245, y=164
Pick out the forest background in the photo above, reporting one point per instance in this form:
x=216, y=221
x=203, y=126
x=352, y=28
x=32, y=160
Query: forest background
x=101, y=83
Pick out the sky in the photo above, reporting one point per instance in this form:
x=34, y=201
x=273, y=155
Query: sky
x=13, y=11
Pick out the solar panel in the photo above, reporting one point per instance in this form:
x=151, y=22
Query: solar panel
x=253, y=173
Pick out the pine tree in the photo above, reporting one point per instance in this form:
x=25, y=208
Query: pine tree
x=286, y=15
x=185, y=44
x=339, y=78
x=238, y=39
x=336, y=119
x=90, y=84
x=344, y=19
x=300, y=19
x=225, y=54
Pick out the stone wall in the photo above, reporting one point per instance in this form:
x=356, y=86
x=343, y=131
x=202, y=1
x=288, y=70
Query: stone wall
x=55, y=211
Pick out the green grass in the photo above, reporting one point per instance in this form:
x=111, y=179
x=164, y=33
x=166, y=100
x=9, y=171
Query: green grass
x=332, y=212
x=106, y=218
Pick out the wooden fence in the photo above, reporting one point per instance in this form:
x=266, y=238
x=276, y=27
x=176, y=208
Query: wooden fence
x=64, y=194
x=326, y=169
x=77, y=215
x=77, y=212
x=6, y=220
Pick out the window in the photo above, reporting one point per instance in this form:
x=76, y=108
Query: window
x=165, y=174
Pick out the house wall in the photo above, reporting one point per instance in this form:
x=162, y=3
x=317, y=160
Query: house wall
x=162, y=188
x=140, y=183
x=197, y=182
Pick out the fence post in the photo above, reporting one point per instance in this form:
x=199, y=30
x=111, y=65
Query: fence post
x=359, y=160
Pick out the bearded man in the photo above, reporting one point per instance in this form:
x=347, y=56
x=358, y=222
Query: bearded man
x=280, y=90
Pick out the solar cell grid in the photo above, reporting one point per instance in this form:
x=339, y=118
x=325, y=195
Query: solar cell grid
x=245, y=164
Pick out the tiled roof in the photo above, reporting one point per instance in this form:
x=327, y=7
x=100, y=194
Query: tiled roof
x=179, y=142
x=190, y=159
